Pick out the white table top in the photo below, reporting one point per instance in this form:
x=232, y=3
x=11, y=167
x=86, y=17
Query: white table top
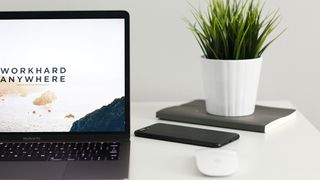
x=291, y=151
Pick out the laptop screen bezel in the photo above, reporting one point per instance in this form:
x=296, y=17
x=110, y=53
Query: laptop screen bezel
x=75, y=136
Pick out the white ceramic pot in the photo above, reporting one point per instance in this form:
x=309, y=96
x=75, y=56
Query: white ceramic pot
x=231, y=85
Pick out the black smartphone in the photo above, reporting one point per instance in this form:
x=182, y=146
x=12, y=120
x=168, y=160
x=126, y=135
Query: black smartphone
x=187, y=135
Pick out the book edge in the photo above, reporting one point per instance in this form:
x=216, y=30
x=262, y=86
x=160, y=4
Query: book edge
x=220, y=124
x=280, y=121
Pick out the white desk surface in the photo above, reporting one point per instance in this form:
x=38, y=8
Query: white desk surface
x=288, y=152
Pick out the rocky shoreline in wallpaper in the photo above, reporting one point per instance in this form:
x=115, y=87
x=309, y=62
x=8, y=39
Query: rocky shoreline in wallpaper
x=109, y=118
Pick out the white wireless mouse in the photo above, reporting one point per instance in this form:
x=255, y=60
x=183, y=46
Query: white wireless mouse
x=217, y=162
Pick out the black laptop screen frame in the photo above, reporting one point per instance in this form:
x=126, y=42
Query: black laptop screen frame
x=75, y=136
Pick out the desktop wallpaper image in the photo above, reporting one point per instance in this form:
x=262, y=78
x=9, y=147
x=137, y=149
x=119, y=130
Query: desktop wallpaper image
x=67, y=77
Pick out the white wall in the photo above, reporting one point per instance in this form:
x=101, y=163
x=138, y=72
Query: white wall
x=165, y=56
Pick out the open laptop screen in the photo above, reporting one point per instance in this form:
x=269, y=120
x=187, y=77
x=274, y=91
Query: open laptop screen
x=62, y=75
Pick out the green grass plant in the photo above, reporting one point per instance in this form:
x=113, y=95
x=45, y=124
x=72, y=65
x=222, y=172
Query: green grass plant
x=234, y=29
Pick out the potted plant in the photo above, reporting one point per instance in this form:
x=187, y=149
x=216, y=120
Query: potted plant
x=233, y=36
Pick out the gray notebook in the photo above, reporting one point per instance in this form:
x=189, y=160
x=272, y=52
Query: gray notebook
x=194, y=112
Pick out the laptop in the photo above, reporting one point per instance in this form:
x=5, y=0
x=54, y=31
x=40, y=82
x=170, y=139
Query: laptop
x=64, y=95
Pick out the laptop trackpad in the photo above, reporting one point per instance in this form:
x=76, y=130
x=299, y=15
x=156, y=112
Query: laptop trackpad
x=32, y=170
x=92, y=170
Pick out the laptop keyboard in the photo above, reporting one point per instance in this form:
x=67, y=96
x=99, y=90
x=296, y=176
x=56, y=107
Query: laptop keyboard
x=64, y=151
